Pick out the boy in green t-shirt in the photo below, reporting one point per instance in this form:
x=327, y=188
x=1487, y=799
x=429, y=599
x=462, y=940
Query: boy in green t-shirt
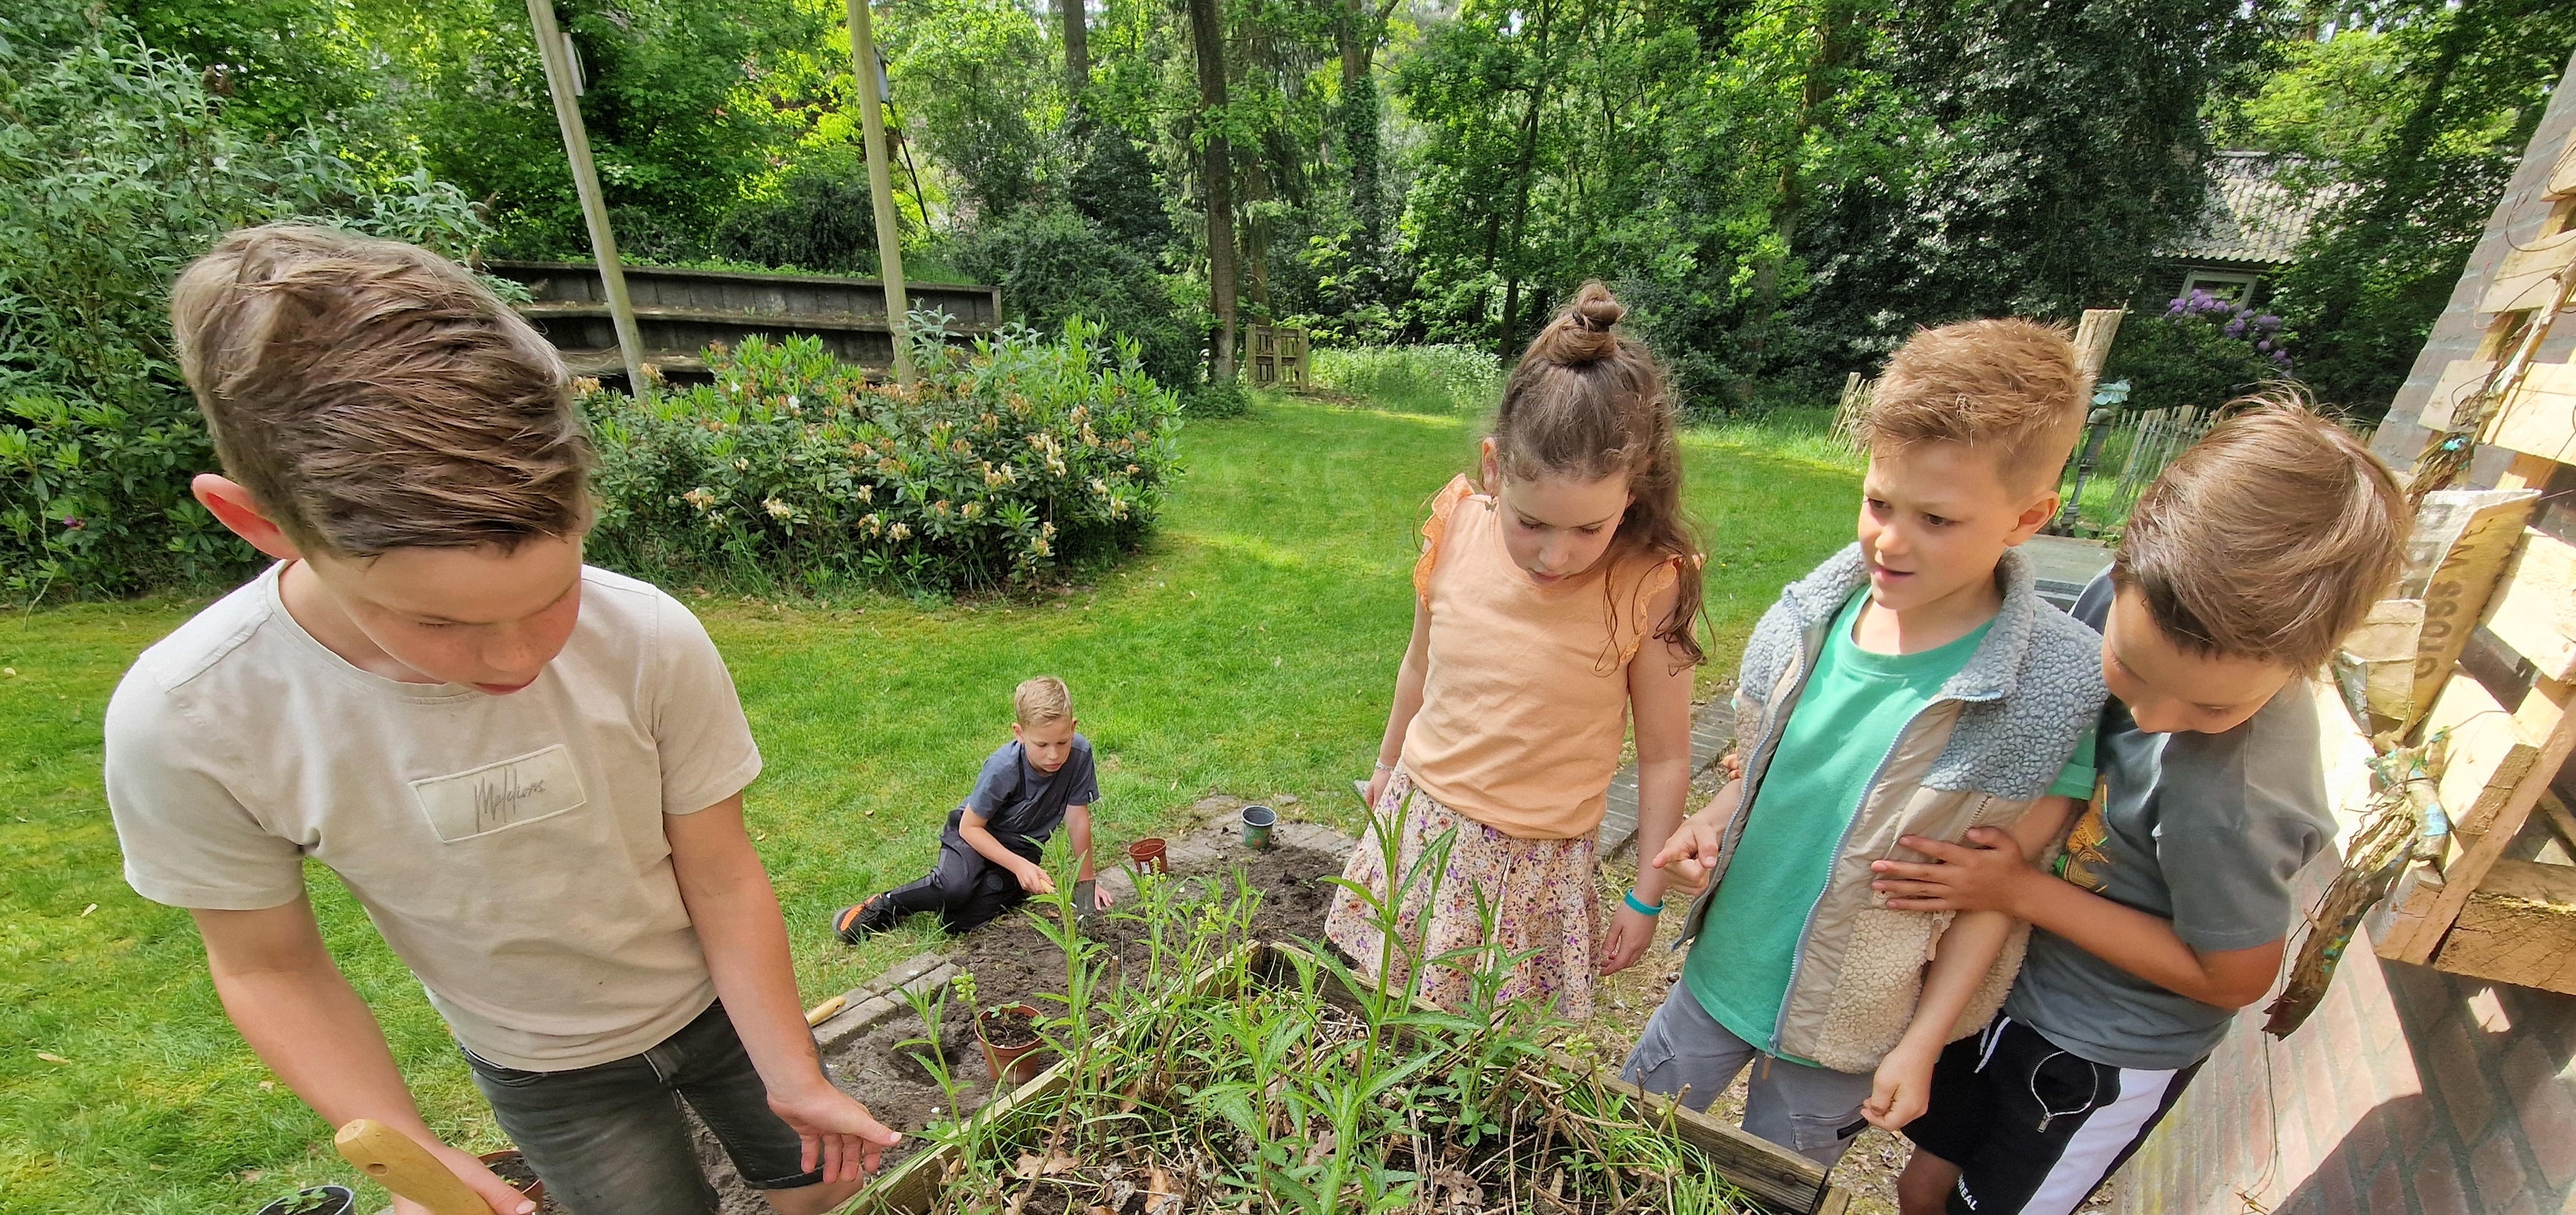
x=1914, y=684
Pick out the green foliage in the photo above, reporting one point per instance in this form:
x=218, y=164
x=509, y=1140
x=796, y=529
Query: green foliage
x=1003, y=467
x=1053, y=264
x=2425, y=117
x=820, y=217
x=2202, y=352
x=115, y=170
x=1278, y=1078
x=2042, y=153
x=1415, y=379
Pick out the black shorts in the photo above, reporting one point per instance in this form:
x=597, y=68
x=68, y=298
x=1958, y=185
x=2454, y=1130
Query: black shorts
x=2033, y=1129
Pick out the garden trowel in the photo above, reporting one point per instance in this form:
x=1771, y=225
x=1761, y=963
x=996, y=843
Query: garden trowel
x=406, y=1168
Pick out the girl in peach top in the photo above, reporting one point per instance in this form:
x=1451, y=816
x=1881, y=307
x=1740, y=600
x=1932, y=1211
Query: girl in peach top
x=1549, y=610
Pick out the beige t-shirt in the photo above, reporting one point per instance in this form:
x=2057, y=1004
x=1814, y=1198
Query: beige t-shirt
x=1525, y=703
x=510, y=848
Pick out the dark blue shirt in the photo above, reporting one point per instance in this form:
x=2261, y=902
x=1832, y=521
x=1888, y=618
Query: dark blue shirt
x=1018, y=802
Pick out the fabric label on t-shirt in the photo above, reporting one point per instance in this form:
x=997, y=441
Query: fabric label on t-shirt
x=498, y=796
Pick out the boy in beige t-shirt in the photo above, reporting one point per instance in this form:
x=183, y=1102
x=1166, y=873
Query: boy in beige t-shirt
x=528, y=771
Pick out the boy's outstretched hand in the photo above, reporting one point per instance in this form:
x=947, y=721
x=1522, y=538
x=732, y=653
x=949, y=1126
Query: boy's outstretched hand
x=841, y=1137
x=1987, y=873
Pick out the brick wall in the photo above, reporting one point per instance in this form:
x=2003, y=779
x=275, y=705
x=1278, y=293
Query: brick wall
x=2410, y=1092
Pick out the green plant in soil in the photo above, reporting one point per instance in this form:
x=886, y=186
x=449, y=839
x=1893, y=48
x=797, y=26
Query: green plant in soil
x=1301, y=1085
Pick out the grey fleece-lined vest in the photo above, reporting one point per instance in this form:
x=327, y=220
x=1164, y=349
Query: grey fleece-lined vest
x=1987, y=746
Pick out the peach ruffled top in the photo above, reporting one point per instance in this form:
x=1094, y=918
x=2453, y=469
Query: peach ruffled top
x=1525, y=704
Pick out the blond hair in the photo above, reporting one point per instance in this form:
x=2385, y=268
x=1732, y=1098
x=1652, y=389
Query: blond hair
x=2008, y=388
x=374, y=396
x=2269, y=539
x=1041, y=700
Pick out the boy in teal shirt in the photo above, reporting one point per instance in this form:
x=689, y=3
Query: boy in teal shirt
x=1914, y=684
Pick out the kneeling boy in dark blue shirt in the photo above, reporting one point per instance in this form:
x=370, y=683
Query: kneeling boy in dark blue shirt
x=989, y=852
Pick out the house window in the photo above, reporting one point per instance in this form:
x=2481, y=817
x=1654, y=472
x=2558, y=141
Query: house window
x=2235, y=288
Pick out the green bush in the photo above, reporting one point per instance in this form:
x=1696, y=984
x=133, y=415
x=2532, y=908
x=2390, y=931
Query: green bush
x=2203, y=351
x=1053, y=264
x=996, y=468
x=114, y=172
x=1421, y=379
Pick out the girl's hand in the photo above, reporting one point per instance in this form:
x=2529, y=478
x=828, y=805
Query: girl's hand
x=1902, y=1089
x=1631, y=931
x=1377, y=787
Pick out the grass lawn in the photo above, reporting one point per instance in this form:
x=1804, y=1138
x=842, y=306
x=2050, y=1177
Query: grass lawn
x=1250, y=649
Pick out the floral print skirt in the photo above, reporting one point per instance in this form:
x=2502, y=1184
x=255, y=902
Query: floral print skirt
x=1538, y=896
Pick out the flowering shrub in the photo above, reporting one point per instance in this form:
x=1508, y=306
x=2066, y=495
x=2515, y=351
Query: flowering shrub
x=995, y=467
x=2202, y=351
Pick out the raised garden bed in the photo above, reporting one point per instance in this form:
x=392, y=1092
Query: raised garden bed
x=1219, y=1073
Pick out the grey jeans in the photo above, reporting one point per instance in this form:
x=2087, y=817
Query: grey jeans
x=609, y=1140
x=1810, y=1110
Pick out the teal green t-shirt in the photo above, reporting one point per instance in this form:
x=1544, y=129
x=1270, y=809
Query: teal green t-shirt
x=1845, y=723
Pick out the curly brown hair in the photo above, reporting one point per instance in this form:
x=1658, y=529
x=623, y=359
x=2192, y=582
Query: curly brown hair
x=1588, y=402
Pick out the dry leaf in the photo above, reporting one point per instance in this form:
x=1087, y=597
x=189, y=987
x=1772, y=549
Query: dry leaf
x=1323, y=1149
x=51, y=1057
x=1161, y=1196
x=1031, y=1166
x=1456, y=1189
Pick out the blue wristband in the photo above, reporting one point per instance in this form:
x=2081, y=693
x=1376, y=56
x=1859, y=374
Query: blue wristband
x=1642, y=908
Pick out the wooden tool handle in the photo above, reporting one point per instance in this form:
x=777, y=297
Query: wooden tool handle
x=403, y=1166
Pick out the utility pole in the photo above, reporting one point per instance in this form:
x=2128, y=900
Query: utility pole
x=870, y=79
x=564, y=83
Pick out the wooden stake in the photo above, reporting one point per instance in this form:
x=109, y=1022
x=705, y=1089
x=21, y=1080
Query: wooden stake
x=2093, y=341
x=863, y=67
x=585, y=181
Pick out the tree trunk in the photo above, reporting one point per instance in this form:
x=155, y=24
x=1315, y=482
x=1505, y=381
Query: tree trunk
x=1505, y=346
x=1077, y=47
x=1208, y=39
x=1359, y=28
x=1835, y=44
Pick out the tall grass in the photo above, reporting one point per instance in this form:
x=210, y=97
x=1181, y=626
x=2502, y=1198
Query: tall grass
x=1413, y=379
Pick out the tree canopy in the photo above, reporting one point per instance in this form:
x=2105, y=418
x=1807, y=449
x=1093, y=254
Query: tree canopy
x=1782, y=188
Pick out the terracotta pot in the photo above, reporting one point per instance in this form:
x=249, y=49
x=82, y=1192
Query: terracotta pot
x=1147, y=857
x=514, y=1169
x=1014, y=1064
x=332, y=1200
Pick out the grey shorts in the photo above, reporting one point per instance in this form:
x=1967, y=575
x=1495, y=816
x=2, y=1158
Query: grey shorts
x=609, y=1139
x=1810, y=1110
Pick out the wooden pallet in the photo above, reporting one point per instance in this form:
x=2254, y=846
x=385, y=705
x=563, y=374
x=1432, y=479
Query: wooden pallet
x=2508, y=700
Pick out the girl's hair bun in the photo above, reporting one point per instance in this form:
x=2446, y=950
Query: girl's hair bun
x=1581, y=334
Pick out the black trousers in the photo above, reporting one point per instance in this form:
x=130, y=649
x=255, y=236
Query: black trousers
x=964, y=891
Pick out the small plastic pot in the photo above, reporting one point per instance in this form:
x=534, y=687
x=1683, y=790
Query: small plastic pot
x=1014, y=1064
x=1257, y=823
x=1147, y=856
x=315, y=1200
x=514, y=1168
